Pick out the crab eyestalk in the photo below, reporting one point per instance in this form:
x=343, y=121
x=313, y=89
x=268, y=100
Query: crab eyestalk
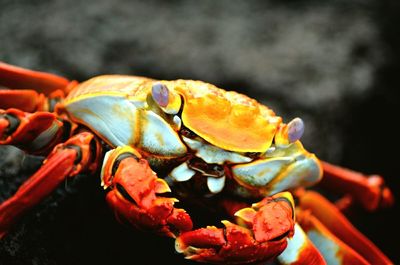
x=166, y=99
x=289, y=133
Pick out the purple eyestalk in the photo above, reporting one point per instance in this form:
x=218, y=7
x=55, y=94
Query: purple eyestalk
x=295, y=129
x=160, y=94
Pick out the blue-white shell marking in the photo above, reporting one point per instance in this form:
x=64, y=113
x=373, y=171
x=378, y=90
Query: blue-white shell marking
x=328, y=248
x=120, y=122
x=260, y=172
x=280, y=168
x=295, y=245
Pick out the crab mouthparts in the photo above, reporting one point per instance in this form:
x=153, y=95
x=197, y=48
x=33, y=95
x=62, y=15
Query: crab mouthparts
x=214, y=173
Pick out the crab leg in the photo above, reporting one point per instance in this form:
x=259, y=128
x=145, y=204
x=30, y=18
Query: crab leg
x=26, y=100
x=29, y=100
x=369, y=191
x=332, y=248
x=259, y=234
x=35, y=132
x=14, y=77
x=300, y=250
x=326, y=215
x=66, y=160
x=134, y=194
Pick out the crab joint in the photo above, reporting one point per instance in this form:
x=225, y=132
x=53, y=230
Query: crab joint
x=8, y=124
x=111, y=161
x=87, y=150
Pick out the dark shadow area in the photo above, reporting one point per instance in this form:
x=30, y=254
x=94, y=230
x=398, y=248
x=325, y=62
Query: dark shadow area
x=371, y=132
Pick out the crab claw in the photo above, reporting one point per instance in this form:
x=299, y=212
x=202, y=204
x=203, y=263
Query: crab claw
x=260, y=234
x=134, y=195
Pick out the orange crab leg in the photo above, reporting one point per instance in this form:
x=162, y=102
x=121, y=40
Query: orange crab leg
x=369, y=191
x=332, y=248
x=134, y=194
x=300, y=250
x=29, y=100
x=35, y=132
x=26, y=100
x=14, y=77
x=66, y=160
x=338, y=224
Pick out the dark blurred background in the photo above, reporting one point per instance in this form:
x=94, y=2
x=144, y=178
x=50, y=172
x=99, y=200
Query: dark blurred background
x=333, y=63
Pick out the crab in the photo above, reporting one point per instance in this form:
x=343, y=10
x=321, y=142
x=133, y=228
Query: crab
x=154, y=142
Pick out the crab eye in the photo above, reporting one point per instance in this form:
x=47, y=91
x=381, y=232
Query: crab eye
x=166, y=98
x=160, y=94
x=295, y=129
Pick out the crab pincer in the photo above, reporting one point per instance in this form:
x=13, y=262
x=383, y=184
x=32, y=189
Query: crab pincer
x=259, y=234
x=135, y=194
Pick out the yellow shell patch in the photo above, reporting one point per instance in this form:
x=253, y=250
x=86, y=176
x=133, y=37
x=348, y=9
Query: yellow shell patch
x=226, y=119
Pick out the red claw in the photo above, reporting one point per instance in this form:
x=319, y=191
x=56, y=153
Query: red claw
x=261, y=235
x=180, y=220
x=134, y=198
x=232, y=245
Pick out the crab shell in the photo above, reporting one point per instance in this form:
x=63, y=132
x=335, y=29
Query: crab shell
x=226, y=119
x=148, y=115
